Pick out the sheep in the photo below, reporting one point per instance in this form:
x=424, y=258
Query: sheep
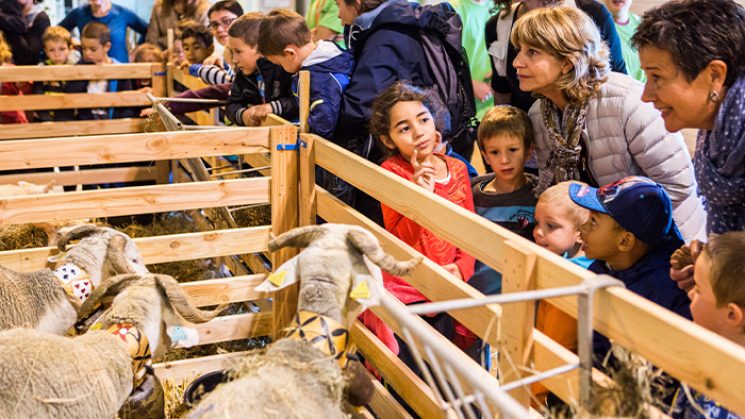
x=296, y=378
x=48, y=301
x=92, y=375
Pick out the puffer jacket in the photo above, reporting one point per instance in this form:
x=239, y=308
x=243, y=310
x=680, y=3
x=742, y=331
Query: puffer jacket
x=624, y=137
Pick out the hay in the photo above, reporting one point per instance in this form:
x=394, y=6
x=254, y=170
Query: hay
x=252, y=217
x=22, y=236
x=175, y=407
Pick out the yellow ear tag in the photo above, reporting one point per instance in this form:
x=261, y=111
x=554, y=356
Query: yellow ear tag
x=277, y=278
x=361, y=291
x=96, y=326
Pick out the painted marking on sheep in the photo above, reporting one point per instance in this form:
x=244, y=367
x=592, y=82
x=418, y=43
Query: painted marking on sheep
x=74, y=280
x=138, y=345
x=323, y=333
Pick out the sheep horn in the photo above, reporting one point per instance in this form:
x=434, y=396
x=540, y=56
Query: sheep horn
x=298, y=237
x=181, y=303
x=108, y=286
x=115, y=253
x=365, y=243
x=74, y=234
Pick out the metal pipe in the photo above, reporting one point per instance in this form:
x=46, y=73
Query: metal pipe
x=538, y=377
x=234, y=172
x=514, y=297
x=191, y=100
x=170, y=121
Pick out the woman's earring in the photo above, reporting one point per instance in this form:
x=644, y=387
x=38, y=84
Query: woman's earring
x=714, y=96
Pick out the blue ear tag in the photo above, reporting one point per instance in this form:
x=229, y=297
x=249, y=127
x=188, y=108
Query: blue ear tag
x=178, y=334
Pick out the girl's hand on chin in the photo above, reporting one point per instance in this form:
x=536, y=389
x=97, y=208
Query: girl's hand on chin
x=424, y=172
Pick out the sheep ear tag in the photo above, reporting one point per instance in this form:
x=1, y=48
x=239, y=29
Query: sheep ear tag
x=182, y=337
x=366, y=288
x=282, y=277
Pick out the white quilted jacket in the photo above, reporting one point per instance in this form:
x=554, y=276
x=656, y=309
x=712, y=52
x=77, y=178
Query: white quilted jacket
x=627, y=137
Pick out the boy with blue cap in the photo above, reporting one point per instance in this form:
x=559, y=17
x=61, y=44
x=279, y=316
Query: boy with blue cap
x=631, y=235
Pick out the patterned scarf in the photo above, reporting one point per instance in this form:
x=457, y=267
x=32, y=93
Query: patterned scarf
x=719, y=161
x=564, y=153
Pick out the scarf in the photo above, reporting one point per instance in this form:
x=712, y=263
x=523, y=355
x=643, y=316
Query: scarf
x=719, y=161
x=564, y=148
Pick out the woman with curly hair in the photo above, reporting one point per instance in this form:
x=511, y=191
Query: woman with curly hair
x=692, y=53
x=590, y=124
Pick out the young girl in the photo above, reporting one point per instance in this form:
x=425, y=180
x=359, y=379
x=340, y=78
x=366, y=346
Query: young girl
x=404, y=121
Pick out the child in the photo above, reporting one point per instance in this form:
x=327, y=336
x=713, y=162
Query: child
x=259, y=87
x=146, y=53
x=285, y=39
x=59, y=50
x=558, y=222
x=505, y=196
x=626, y=24
x=96, y=42
x=197, y=43
x=403, y=123
x=718, y=304
x=631, y=235
x=9, y=88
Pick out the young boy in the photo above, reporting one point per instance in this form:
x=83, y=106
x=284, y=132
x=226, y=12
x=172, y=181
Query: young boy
x=506, y=196
x=58, y=49
x=259, y=87
x=197, y=43
x=718, y=304
x=631, y=235
x=626, y=24
x=285, y=39
x=96, y=42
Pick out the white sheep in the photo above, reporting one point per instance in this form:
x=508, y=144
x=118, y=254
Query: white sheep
x=91, y=376
x=300, y=376
x=48, y=300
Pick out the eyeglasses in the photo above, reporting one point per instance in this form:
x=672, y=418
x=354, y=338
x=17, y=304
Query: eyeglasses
x=225, y=23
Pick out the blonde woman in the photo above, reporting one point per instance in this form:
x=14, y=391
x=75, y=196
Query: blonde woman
x=591, y=124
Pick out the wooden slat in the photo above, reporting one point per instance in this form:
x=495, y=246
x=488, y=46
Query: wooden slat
x=182, y=76
x=273, y=120
x=133, y=200
x=68, y=128
x=186, y=368
x=240, y=326
x=79, y=72
x=71, y=151
x=418, y=395
x=384, y=404
x=429, y=278
x=224, y=290
x=85, y=176
x=160, y=249
x=259, y=160
x=73, y=101
x=307, y=181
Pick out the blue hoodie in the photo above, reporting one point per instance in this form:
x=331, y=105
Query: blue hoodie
x=330, y=69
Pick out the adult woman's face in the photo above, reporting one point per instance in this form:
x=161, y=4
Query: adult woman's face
x=219, y=23
x=538, y=71
x=98, y=6
x=683, y=104
x=347, y=13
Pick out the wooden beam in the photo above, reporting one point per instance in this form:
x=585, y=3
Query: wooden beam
x=429, y=278
x=304, y=99
x=71, y=151
x=273, y=120
x=182, y=76
x=224, y=290
x=161, y=249
x=259, y=160
x=133, y=200
x=307, y=198
x=68, y=128
x=240, y=326
x=85, y=176
x=73, y=101
x=78, y=72
x=188, y=368
x=384, y=404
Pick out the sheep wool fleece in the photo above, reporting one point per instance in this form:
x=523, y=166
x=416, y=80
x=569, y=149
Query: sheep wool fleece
x=89, y=376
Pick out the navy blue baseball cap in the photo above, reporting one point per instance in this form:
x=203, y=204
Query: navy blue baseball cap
x=638, y=204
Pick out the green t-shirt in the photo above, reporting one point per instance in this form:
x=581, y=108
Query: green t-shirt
x=474, y=17
x=630, y=55
x=325, y=13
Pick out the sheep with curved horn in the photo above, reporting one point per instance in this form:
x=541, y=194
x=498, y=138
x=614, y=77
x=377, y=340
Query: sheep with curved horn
x=93, y=375
x=49, y=300
x=301, y=375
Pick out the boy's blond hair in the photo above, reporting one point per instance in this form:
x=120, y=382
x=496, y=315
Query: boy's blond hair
x=506, y=119
x=281, y=28
x=6, y=55
x=57, y=33
x=558, y=196
x=727, y=267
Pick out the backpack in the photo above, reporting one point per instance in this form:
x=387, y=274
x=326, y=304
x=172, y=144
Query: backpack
x=448, y=65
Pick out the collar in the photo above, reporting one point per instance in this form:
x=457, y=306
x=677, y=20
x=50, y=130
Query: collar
x=138, y=345
x=323, y=333
x=74, y=280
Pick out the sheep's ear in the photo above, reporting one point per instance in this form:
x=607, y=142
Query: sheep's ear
x=282, y=277
x=367, y=284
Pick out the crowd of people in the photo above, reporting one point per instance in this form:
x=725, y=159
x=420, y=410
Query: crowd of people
x=580, y=107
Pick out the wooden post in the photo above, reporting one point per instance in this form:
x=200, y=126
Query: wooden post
x=158, y=79
x=304, y=95
x=307, y=200
x=517, y=332
x=169, y=68
x=285, y=215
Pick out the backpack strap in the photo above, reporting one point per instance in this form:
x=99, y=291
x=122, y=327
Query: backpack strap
x=498, y=48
